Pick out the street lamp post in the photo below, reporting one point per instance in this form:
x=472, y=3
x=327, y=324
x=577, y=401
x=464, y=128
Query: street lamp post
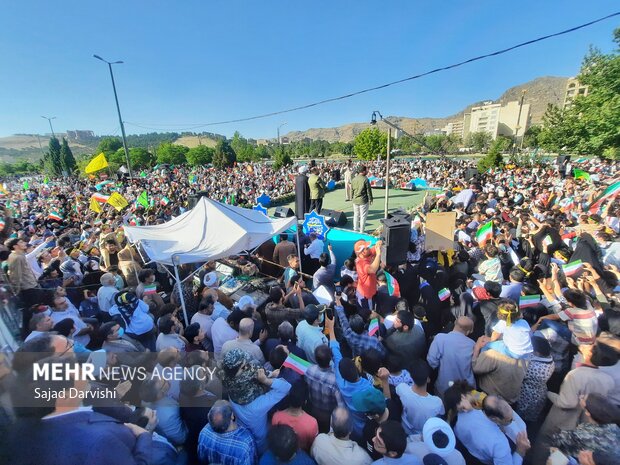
x=118, y=109
x=373, y=120
x=279, y=141
x=49, y=120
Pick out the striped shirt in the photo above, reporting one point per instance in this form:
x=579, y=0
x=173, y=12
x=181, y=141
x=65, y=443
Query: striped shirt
x=582, y=323
x=234, y=447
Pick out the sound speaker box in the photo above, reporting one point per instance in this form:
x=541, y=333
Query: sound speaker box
x=194, y=198
x=284, y=212
x=334, y=217
x=396, y=235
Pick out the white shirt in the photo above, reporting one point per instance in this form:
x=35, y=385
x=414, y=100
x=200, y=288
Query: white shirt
x=327, y=450
x=417, y=409
x=315, y=249
x=221, y=332
x=484, y=440
x=169, y=340
x=72, y=313
x=105, y=297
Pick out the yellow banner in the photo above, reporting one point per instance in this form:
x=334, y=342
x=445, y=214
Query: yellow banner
x=94, y=206
x=96, y=164
x=118, y=201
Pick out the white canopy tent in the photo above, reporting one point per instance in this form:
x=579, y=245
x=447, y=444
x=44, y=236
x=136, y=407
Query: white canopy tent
x=209, y=231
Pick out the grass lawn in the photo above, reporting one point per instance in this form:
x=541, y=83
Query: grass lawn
x=398, y=198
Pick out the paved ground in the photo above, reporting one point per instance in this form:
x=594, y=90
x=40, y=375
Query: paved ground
x=397, y=198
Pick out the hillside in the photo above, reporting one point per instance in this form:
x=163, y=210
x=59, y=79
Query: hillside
x=538, y=93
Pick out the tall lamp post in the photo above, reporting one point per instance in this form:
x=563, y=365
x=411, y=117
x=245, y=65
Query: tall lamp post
x=118, y=108
x=49, y=120
x=373, y=121
x=283, y=124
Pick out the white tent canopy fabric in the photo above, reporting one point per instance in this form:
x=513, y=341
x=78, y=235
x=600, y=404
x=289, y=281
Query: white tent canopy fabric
x=209, y=231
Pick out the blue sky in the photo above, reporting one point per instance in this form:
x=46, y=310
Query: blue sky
x=191, y=62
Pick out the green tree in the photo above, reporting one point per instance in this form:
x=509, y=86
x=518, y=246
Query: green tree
x=281, y=157
x=52, y=161
x=140, y=157
x=224, y=155
x=200, y=155
x=67, y=160
x=109, y=145
x=172, y=153
x=530, y=138
x=369, y=143
x=243, y=149
x=479, y=141
x=494, y=157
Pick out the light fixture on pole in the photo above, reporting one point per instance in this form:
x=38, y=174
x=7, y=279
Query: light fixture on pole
x=373, y=121
x=283, y=124
x=118, y=108
x=49, y=120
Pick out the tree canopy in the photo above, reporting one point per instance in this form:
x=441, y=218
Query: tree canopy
x=224, y=155
x=369, y=143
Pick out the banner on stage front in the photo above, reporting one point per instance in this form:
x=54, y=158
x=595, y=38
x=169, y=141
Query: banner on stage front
x=440, y=229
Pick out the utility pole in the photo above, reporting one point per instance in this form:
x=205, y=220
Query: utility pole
x=118, y=109
x=49, y=120
x=387, y=174
x=518, y=123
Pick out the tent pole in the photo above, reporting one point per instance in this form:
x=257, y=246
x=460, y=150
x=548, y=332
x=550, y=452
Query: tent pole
x=180, y=284
x=298, y=247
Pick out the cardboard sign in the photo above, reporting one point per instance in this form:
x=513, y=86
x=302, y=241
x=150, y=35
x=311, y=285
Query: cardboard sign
x=440, y=229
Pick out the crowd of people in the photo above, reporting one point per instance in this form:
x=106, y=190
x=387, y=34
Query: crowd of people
x=503, y=349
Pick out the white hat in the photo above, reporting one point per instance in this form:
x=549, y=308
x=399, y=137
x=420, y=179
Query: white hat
x=432, y=426
x=210, y=279
x=303, y=169
x=246, y=301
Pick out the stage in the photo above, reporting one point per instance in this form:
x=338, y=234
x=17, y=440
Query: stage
x=398, y=199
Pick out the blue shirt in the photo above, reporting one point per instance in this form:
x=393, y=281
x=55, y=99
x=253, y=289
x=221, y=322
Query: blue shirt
x=230, y=448
x=254, y=415
x=347, y=389
x=300, y=458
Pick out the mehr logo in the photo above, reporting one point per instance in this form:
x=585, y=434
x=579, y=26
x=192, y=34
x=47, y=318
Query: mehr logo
x=60, y=371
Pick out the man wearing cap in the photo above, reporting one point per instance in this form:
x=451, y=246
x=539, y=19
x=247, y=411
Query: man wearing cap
x=361, y=193
x=437, y=438
x=309, y=333
x=366, y=265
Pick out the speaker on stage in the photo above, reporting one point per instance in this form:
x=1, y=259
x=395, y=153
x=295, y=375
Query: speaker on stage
x=334, y=217
x=194, y=198
x=284, y=212
x=470, y=174
x=396, y=234
x=400, y=213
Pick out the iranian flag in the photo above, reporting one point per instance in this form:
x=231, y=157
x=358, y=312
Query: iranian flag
x=609, y=193
x=150, y=289
x=529, y=300
x=572, y=268
x=373, y=327
x=296, y=363
x=444, y=294
x=101, y=198
x=392, y=285
x=164, y=201
x=2, y=224
x=55, y=216
x=484, y=233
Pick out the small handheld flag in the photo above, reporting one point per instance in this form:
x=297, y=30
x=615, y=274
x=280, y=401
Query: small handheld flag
x=529, y=300
x=572, y=268
x=373, y=327
x=118, y=201
x=55, y=216
x=101, y=198
x=297, y=364
x=94, y=205
x=444, y=294
x=484, y=233
x=143, y=200
x=392, y=285
x=164, y=201
x=150, y=289
x=26, y=185
x=2, y=224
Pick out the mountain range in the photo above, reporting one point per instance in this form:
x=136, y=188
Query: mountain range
x=538, y=93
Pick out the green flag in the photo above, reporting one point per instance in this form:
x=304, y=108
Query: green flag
x=26, y=185
x=580, y=174
x=46, y=181
x=143, y=199
x=143, y=174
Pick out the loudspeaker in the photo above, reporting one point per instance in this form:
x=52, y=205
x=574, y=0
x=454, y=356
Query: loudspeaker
x=470, y=174
x=284, y=212
x=396, y=234
x=400, y=213
x=194, y=198
x=334, y=217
